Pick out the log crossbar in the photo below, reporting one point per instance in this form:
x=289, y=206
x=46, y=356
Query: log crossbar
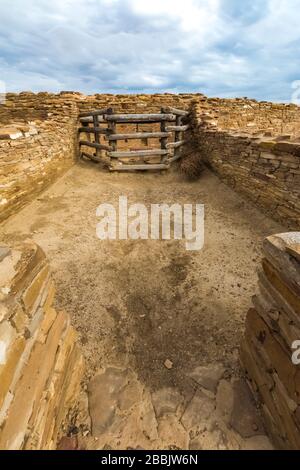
x=91, y=119
x=152, y=166
x=93, y=130
x=94, y=145
x=171, y=121
x=175, y=145
x=139, y=118
x=90, y=157
x=138, y=153
x=139, y=135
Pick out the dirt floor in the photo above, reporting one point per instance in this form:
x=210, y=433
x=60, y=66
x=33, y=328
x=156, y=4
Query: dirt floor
x=138, y=304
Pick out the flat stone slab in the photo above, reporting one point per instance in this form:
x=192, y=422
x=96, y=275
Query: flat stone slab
x=257, y=443
x=104, y=392
x=208, y=376
x=224, y=400
x=208, y=441
x=166, y=400
x=172, y=433
x=198, y=410
x=245, y=419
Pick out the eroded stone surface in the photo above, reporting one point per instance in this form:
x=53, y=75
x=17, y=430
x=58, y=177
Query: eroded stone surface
x=104, y=392
x=208, y=376
x=40, y=364
x=224, y=400
x=199, y=409
x=166, y=400
x=245, y=419
x=172, y=433
x=257, y=443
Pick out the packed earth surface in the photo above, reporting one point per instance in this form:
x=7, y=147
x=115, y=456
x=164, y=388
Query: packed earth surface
x=160, y=326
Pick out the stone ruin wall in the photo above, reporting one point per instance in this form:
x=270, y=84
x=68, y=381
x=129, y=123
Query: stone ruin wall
x=40, y=364
x=254, y=117
x=272, y=326
x=39, y=140
x=242, y=140
x=255, y=148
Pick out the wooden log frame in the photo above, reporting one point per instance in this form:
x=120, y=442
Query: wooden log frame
x=93, y=130
x=174, y=158
x=140, y=135
x=175, y=145
x=90, y=119
x=164, y=141
x=90, y=157
x=171, y=121
x=138, y=153
x=152, y=166
x=94, y=145
x=139, y=118
x=112, y=131
x=97, y=137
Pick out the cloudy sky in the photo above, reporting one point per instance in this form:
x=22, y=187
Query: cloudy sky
x=217, y=47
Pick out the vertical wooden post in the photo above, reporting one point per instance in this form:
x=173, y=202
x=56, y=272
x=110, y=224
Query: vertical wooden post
x=177, y=136
x=97, y=136
x=112, y=130
x=163, y=140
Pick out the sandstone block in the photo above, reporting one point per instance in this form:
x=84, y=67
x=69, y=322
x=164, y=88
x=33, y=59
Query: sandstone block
x=198, y=410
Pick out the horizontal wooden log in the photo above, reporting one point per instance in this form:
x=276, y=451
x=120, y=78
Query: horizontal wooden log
x=94, y=145
x=175, y=145
x=91, y=157
x=93, y=130
x=138, y=153
x=158, y=166
x=177, y=112
x=140, y=135
x=173, y=159
x=178, y=128
x=91, y=119
x=139, y=118
x=97, y=112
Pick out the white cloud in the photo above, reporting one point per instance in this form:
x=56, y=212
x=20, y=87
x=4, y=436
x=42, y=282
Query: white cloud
x=219, y=47
x=192, y=15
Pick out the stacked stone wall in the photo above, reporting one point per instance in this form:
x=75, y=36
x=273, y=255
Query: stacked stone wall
x=268, y=350
x=41, y=366
x=262, y=165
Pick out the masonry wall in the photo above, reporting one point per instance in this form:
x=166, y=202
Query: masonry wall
x=40, y=364
x=39, y=139
x=262, y=166
x=251, y=116
x=38, y=142
x=272, y=327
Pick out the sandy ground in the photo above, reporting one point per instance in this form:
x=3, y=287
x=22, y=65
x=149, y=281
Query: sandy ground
x=139, y=303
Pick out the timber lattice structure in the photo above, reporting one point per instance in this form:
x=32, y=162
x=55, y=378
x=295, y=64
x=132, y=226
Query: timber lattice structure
x=105, y=131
